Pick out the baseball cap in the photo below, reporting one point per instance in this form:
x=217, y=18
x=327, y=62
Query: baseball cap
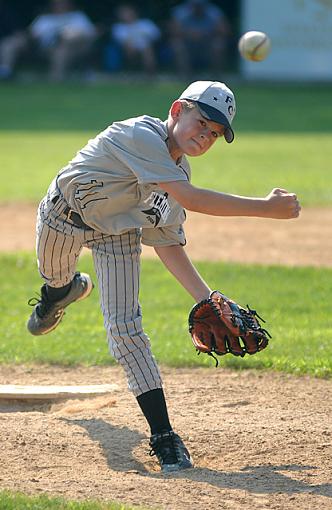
x=215, y=102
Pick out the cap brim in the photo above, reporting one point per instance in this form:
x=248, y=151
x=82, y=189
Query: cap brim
x=215, y=115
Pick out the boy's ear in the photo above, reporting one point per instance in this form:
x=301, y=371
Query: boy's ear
x=176, y=109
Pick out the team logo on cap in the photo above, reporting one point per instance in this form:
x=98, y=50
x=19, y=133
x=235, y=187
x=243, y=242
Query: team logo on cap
x=230, y=108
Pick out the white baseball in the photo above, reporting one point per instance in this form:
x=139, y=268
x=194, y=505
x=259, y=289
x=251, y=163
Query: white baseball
x=254, y=46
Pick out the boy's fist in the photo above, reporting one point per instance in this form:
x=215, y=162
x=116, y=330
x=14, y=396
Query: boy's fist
x=282, y=205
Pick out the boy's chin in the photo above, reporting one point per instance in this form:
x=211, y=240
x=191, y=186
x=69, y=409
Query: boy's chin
x=194, y=153
x=193, y=150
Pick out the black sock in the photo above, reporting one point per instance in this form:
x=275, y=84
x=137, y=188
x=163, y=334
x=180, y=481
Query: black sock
x=55, y=294
x=153, y=406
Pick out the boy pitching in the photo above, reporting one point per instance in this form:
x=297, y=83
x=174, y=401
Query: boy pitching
x=130, y=185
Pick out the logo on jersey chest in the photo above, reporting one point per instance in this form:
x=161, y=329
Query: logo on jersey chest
x=87, y=192
x=159, y=208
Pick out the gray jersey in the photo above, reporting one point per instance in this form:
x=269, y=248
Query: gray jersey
x=113, y=182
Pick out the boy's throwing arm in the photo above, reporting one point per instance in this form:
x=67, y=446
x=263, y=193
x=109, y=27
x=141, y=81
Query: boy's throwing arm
x=278, y=204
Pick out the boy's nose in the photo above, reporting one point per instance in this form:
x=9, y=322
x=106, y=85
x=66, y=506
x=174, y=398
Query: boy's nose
x=205, y=134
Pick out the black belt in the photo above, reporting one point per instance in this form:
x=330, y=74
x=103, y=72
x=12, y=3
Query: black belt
x=73, y=216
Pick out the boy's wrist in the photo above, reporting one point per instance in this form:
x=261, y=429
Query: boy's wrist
x=200, y=296
x=257, y=207
x=262, y=207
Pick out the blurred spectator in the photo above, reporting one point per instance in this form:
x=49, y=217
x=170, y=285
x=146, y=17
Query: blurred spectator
x=10, y=25
x=63, y=36
x=133, y=39
x=199, y=36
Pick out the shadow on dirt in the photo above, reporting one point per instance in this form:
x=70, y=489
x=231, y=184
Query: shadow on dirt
x=265, y=479
x=118, y=445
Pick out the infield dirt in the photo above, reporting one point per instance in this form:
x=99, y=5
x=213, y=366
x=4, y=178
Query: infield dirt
x=306, y=241
x=260, y=440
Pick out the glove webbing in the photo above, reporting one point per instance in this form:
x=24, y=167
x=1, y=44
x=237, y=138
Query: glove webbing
x=248, y=318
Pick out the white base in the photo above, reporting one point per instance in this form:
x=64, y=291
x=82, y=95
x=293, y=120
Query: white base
x=19, y=392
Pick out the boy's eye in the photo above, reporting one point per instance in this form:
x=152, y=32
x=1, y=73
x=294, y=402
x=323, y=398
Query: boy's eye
x=215, y=134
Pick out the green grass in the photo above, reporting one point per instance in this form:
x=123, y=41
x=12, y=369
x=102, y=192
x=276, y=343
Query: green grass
x=284, y=296
x=282, y=136
x=11, y=501
x=260, y=162
x=38, y=159
x=261, y=108
x=242, y=168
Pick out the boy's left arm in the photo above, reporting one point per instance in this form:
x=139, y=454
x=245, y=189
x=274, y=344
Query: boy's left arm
x=178, y=263
x=216, y=323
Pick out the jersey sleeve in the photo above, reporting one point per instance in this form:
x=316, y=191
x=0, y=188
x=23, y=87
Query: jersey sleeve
x=144, y=151
x=164, y=236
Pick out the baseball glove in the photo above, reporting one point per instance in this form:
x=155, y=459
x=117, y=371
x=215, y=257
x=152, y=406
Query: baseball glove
x=218, y=325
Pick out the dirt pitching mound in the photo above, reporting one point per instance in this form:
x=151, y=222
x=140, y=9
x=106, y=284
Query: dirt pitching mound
x=259, y=440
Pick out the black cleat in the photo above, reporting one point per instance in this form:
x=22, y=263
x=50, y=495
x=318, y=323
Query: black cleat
x=170, y=451
x=47, y=314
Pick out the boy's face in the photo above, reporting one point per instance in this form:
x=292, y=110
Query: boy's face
x=192, y=133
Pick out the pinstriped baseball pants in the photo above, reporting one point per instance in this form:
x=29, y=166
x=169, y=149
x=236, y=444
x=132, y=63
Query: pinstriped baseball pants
x=117, y=264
